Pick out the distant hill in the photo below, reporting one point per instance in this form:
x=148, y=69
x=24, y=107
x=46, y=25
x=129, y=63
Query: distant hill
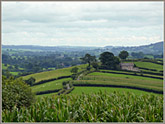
x=156, y=48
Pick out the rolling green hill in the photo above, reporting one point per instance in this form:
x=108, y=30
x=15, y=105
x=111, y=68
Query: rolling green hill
x=53, y=74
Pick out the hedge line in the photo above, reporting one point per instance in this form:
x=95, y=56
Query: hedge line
x=146, y=72
x=119, y=86
x=131, y=74
x=147, y=69
x=52, y=79
x=48, y=91
x=61, y=91
x=68, y=91
x=144, y=60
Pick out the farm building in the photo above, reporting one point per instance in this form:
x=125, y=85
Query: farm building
x=128, y=66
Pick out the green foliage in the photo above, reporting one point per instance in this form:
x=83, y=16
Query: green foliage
x=137, y=55
x=123, y=54
x=97, y=107
x=88, y=59
x=30, y=81
x=108, y=60
x=15, y=93
x=74, y=70
x=88, y=68
x=95, y=65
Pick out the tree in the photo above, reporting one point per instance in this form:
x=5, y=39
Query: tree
x=95, y=65
x=123, y=54
x=15, y=93
x=74, y=70
x=88, y=59
x=137, y=55
x=30, y=81
x=108, y=60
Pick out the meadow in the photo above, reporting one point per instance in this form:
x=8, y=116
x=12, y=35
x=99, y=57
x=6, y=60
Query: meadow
x=52, y=85
x=53, y=74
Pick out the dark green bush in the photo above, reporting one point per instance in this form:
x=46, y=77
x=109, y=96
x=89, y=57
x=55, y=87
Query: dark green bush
x=15, y=93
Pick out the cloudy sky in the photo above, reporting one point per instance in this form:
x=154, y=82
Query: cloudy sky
x=82, y=23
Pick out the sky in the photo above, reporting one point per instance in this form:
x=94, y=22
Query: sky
x=82, y=23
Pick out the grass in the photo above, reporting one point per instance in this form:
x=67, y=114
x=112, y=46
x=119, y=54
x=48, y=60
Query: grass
x=97, y=107
x=14, y=73
x=45, y=95
x=91, y=90
x=124, y=76
x=123, y=80
x=149, y=65
x=52, y=85
x=53, y=74
x=137, y=73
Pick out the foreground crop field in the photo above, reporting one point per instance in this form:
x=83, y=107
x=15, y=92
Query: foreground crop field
x=98, y=107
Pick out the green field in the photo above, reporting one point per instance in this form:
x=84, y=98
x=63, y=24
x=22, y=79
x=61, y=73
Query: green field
x=122, y=80
x=149, y=65
x=53, y=74
x=137, y=73
x=123, y=76
x=98, y=107
x=52, y=85
x=91, y=90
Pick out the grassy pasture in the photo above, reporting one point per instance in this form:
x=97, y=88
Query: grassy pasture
x=54, y=74
x=137, y=73
x=45, y=95
x=123, y=76
x=123, y=80
x=52, y=85
x=90, y=90
x=149, y=65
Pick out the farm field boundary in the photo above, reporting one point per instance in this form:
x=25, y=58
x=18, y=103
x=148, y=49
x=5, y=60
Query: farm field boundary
x=130, y=74
x=47, y=92
x=52, y=79
x=119, y=86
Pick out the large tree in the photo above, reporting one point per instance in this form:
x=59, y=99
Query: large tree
x=88, y=59
x=123, y=54
x=108, y=60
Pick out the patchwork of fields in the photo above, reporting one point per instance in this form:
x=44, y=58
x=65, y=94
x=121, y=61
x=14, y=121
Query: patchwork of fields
x=106, y=78
x=96, y=96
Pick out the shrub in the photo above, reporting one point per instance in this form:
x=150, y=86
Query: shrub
x=30, y=81
x=15, y=93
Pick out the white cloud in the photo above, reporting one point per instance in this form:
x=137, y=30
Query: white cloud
x=82, y=23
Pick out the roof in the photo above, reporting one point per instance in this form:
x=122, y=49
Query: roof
x=126, y=64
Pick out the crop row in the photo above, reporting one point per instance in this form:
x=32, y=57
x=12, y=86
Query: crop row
x=98, y=107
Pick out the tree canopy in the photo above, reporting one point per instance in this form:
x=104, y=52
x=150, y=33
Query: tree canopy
x=123, y=54
x=88, y=59
x=108, y=60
